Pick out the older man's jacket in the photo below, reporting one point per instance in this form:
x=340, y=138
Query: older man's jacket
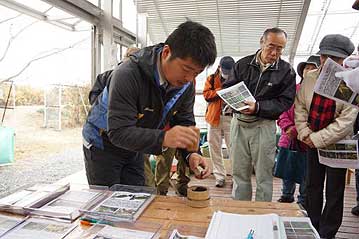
x=273, y=89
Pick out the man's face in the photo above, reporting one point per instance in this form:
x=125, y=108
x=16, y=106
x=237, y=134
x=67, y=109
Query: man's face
x=272, y=47
x=177, y=71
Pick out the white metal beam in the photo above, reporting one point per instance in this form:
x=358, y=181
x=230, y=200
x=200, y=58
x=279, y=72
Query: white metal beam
x=298, y=33
x=81, y=9
x=16, y=6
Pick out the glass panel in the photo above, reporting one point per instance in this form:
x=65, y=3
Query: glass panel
x=129, y=15
x=116, y=9
x=35, y=4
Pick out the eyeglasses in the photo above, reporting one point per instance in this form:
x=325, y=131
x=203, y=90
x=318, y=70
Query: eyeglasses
x=277, y=49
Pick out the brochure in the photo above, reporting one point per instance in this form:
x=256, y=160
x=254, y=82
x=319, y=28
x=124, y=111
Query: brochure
x=334, y=87
x=109, y=232
x=34, y=228
x=229, y=225
x=343, y=154
x=124, y=203
x=235, y=95
x=7, y=223
x=68, y=205
x=299, y=228
x=35, y=196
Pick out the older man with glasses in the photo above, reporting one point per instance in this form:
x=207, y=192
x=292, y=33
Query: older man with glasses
x=271, y=81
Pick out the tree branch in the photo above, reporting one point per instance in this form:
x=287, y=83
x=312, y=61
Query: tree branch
x=11, y=18
x=12, y=38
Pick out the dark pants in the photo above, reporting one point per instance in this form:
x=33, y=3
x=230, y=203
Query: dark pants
x=357, y=183
x=328, y=220
x=107, y=168
x=289, y=190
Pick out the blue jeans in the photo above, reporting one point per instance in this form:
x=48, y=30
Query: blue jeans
x=289, y=189
x=357, y=183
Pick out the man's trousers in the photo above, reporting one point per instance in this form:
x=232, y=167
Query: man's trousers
x=215, y=145
x=253, y=145
x=107, y=168
x=328, y=220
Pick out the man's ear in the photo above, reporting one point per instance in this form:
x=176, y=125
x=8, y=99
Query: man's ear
x=261, y=41
x=166, y=52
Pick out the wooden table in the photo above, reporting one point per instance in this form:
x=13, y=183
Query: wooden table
x=170, y=212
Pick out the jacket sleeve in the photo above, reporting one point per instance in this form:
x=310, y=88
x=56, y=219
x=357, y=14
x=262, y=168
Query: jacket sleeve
x=122, y=115
x=301, y=113
x=284, y=121
x=273, y=108
x=100, y=83
x=209, y=92
x=338, y=130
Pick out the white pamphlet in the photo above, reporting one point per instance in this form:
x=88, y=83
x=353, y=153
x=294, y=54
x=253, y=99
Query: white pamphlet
x=235, y=96
x=342, y=154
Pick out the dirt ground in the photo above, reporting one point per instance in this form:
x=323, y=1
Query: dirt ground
x=42, y=155
x=32, y=139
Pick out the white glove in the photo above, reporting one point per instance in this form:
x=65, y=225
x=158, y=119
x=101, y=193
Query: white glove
x=351, y=78
x=351, y=62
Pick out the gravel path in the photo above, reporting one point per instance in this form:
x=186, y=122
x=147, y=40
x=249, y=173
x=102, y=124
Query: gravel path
x=39, y=169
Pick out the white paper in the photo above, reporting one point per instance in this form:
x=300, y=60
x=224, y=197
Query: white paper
x=34, y=196
x=34, y=228
x=176, y=235
x=235, y=95
x=7, y=223
x=334, y=87
x=109, y=232
x=233, y=226
x=343, y=154
x=299, y=227
x=123, y=204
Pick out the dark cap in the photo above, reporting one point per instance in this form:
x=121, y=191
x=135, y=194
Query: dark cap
x=356, y=5
x=226, y=64
x=312, y=60
x=336, y=45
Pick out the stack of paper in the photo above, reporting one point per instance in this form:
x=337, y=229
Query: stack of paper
x=124, y=203
x=109, y=232
x=7, y=223
x=232, y=226
x=40, y=229
x=268, y=226
x=35, y=196
x=68, y=205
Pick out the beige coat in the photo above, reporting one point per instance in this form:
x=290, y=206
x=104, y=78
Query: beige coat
x=342, y=126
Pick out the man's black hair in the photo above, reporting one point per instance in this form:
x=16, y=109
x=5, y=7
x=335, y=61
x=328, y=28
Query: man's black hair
x=275, y=30
x=193, y=40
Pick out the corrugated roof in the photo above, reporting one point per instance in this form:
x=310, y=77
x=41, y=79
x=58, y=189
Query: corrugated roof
x=237, y=25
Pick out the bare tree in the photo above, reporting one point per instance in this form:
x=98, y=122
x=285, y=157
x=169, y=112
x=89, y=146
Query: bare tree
x=41, y=56
x=14, y=36
x=51, y=53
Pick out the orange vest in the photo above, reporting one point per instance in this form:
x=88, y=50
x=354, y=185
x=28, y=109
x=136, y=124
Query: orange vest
x=214, y=108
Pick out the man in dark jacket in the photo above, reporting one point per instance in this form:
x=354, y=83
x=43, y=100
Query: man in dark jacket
x=272, y=83
x=154, y=87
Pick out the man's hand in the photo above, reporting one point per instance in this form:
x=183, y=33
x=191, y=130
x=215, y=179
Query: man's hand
x=251, y=109
x=351, y=62
x=351, y=78
x=196, y=160
x=180, y=137
x=308, y=142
